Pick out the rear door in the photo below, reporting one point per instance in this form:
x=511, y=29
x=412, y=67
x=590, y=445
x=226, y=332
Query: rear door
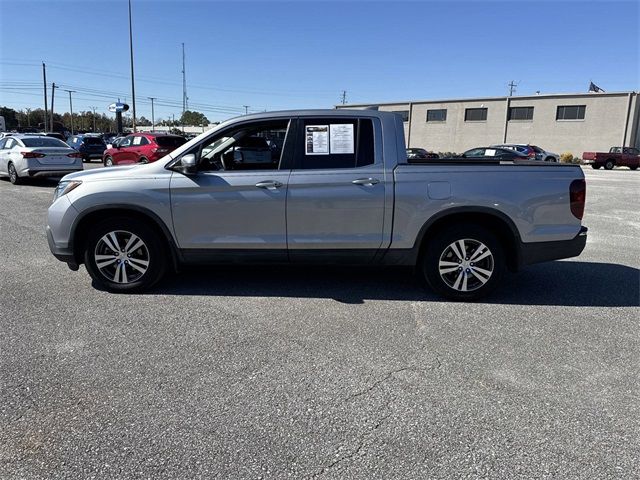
x=336, y=194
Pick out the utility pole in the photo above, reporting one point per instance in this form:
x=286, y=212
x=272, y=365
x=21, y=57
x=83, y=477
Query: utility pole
x=71, y=108
x=344, y=97
x=28, y=117
x=44, y=78
x=512, y=87
x=153, y=121
x=94, y=117
x=53, y=93
x=133, y=88
x=246, y=109
x=185, y=99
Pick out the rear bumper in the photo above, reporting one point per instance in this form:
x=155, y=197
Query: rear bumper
x=537, y=252
x=51, y=173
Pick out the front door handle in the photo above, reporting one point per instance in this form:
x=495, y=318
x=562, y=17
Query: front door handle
x=269, y=184
x=365, y=181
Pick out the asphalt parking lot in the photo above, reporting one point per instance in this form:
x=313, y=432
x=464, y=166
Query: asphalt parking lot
x=332, y=373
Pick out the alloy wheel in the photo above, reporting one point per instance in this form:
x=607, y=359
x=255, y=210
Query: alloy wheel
x=121, y=257
x=466, y=265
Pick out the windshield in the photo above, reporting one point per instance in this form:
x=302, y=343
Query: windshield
x=43, y=142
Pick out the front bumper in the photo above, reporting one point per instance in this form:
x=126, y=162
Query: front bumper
x=536, y=252
x=64, y=254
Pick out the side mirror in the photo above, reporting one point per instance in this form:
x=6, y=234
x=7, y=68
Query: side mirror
x=188, y=164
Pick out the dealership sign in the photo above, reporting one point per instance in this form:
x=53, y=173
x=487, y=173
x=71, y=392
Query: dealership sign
x=118, y=107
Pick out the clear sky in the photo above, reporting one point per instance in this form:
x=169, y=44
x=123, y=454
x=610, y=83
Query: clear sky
x=276, y=55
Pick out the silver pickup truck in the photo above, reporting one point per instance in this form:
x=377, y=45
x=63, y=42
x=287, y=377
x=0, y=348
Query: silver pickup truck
x=317, y=186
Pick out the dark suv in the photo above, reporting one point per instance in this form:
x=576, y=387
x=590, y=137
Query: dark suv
x=89, y=146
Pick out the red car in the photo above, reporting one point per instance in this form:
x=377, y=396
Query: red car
x=141, y=148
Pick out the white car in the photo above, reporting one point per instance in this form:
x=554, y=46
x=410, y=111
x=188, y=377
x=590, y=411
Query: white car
x=23, y=156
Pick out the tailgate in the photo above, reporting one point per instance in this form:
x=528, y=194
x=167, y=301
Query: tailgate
x=55, y=156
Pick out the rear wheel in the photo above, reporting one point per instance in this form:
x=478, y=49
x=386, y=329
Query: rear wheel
x=108, y=162
x=124, y=255
x=609, y=164
x=13, y=175
x=635, y=167
x=143, y=160
x=595, y=167
x=463, y=263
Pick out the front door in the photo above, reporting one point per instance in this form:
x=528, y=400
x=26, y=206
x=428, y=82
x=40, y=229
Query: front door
x=336, y=194
x=235, y=203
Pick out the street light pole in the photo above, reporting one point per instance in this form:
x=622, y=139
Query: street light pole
x=153, y=121
x=53, y=93
x=71, y=108
x=133, y=88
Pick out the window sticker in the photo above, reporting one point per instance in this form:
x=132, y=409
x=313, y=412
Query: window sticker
x=489, y=153
x=341, y=138
x=316, y=139
x=137, y=140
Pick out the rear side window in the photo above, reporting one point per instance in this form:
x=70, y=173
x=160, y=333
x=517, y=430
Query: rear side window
x=43, y=142
x=331, y=143
x=170, y=142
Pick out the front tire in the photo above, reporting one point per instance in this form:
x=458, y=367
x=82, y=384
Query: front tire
x=609, y=164
x=124, y=255
x=13, y=175
x=464, y=263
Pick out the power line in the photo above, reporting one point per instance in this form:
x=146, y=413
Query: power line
x=512, y=87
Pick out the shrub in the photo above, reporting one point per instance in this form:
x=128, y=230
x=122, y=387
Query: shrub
x=566, y=157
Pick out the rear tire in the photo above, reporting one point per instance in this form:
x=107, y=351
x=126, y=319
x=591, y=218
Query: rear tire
x=124, y=255
x=108, y=162
x=609, y=164
x=634, y=168
x=463, y=262
x=595, y=167
x=143, y=160
x=13, y=175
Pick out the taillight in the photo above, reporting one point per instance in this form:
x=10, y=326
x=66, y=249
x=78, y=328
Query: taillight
x=32, y=154
x=577, y=197
x=74, y=155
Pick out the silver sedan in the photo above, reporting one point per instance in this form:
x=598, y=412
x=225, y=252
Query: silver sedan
x=23, y=156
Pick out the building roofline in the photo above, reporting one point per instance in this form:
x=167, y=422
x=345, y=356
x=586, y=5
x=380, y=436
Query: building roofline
x=486, y=99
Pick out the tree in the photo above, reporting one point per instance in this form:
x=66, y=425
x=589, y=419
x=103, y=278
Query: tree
x=10, y=117
x=190, y=117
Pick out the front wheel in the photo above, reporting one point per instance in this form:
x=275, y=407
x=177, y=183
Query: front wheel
x=463, y=263
x=124, y=255
x=108, y=162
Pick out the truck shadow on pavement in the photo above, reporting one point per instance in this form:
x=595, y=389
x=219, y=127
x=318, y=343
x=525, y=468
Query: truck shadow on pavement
x=562, y=283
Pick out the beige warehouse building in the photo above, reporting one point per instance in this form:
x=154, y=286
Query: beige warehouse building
x=559, y=123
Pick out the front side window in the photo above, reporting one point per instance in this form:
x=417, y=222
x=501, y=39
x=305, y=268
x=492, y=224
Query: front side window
x=330, y=143
x=571, y=112
x=439, y=115
x=475, y=115
x=257, y=146
x=126, y=142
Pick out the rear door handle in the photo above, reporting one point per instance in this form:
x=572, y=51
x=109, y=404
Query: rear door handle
x=269, y=184
x=365, y=181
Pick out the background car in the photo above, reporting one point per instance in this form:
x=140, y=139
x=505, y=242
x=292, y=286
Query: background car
x=420, y=153
x=89, y=146
x=499, y=153
x=141, y=148
x=36, y=156
x=532, y=151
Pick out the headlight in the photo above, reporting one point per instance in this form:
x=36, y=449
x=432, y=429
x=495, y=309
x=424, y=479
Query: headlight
x=65, y=187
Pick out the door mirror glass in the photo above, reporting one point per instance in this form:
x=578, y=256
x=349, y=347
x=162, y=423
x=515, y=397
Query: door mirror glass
x=187, y=165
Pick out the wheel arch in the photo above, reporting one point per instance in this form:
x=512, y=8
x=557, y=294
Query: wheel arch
x=495, y=221
x=95, y=215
